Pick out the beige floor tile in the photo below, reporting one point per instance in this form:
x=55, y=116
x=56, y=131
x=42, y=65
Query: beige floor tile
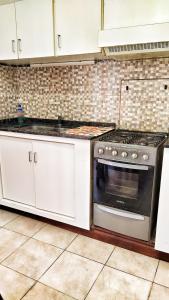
x=159, y=292
x=42, y=292
x=6, y=216
x=25, y=225
x=91, y=248
x=33, y=258
x=116, y=285
x=133, y=263
x=55, y=236
x=72, y=275
x=162, y=275
x=9, y=242
x=13, y=285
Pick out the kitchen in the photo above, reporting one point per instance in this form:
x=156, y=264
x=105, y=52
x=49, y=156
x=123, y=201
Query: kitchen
x=72, y=99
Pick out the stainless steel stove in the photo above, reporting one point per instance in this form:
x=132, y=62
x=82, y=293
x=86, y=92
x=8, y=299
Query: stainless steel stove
x=127, y=168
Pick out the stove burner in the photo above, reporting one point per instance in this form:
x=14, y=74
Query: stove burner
x=143, y=143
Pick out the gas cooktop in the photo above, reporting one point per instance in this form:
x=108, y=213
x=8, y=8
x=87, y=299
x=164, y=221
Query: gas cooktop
x=129, y=146
x=134, y=138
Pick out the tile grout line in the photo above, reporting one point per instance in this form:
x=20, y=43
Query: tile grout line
x=28, y=238
x=3, y=226
x=103, y=266
x=156, y=269
x=96, y=261
x=129, y=273
x=45, y=224
x=55, y=290
x=63, y=250
x=17, y=272
x=110, y=256
x=149, y=294
x=14, y=251
x=29, y=290
x=72, y=242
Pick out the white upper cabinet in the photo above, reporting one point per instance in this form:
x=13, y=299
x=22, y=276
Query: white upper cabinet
x=34, y=20
x=26, y=29
x=124, y=13
x=8, y=47
x=77, y=23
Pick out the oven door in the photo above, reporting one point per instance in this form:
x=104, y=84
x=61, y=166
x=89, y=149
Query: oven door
x=124, y=186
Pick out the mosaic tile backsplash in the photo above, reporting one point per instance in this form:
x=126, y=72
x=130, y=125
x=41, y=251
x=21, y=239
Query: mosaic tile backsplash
x=134, y=94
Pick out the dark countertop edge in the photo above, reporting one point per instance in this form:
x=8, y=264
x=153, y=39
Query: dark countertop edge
x=71, y=136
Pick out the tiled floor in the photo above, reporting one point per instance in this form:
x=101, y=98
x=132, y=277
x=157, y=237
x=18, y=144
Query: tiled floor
x=42, y=262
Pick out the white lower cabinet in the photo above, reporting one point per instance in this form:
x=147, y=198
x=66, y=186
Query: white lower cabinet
x=162, y=232
x=54, y=177
x=17, y=171
x=47, y=178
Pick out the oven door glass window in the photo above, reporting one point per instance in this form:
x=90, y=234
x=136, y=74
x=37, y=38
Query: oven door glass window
x=123, y=183
x=123, y=186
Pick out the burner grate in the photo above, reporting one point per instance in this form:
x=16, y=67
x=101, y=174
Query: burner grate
x=134, y=138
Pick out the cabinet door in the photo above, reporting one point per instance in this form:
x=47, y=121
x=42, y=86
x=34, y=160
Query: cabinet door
x=162, y=234
x=35, y=28
x=120, y=13
x=77, y=23
x=54, y=177
x=17, y=170
x=8, y=47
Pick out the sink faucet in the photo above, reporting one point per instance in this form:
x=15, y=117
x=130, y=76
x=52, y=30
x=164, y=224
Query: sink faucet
x=59, y=121
x=60, y=118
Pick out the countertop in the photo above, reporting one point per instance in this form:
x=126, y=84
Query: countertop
x=57, y=128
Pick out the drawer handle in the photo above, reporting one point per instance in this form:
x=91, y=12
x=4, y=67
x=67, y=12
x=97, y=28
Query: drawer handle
x=19, y=45
x=13, y=46
x=121, y=213
x=35, y=158
x=59, y=41
x=30, y=156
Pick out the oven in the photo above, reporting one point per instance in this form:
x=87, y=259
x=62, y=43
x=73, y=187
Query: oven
x=126, y=180
x=123, y=186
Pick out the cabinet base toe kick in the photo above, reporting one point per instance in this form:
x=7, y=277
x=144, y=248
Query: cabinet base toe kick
x=45, y=214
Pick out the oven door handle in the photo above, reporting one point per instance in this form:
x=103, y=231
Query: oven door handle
x=121, y=213
x=122, y=165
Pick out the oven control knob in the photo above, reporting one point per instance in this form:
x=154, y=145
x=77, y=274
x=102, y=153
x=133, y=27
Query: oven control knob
x=124, y=154
x=134, y=155
x=114, y=153
x=145, y=156
x=100, y=150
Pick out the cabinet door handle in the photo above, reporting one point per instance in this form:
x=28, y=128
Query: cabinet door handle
x=30, y=156
x=13, y=46
x=59, y=41
x=35, y=157
x=19, y=45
